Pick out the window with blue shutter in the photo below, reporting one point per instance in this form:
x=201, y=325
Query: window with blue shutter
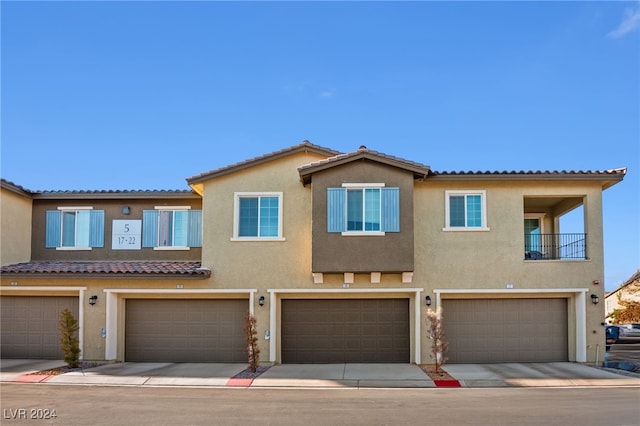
x=171, y=228
x=363, y=209
x=74, y=228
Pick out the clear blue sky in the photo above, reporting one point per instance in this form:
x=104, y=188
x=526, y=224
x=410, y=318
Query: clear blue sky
x=142, y=95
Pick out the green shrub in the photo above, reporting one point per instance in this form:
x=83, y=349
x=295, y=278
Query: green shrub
x=69, y=342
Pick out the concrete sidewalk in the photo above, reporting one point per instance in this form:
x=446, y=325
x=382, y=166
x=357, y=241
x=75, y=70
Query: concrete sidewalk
x=344, y=375
x=318, y=375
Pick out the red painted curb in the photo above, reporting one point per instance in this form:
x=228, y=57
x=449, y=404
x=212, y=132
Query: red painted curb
x=240, y=382
x=447, y=383
x=32, y=378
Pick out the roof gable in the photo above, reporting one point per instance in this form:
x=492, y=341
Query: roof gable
x=420, y=171
x=305, y=146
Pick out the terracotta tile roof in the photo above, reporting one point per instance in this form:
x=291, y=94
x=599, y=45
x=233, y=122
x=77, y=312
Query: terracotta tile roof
x=10, y=186
x=118, y=191
x=115, y=194
x=606, y=177
x=108, y=267
x=620, y=171
x=102, y=193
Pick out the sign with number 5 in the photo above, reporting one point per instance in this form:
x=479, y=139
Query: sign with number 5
x=126, y=234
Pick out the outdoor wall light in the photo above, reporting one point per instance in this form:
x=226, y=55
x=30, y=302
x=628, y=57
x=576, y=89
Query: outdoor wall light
x=594, y=299
x=261, y=301
x=126, y=210
x=93, y=300
x=428, y=300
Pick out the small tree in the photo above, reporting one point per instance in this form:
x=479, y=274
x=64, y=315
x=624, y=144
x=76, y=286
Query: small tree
x=439, y=344
x=69, y=342
x=251, y=333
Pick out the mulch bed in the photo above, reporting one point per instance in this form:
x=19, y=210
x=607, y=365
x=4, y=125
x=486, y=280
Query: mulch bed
x=248, y=374
x=430, y=370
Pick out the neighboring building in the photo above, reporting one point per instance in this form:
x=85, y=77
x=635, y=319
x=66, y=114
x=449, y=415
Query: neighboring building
x=629, y=291
x=337, y=255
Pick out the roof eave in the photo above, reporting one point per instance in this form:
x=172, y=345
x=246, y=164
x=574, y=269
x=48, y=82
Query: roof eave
x=115, y=195
x=16, y=189
x=305, y=146
x=107, y=275
x=608, y=178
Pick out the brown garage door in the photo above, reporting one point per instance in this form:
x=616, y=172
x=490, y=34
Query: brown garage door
x=506, y=330
x=345, y=330
x=29, y=325
x=185, y=330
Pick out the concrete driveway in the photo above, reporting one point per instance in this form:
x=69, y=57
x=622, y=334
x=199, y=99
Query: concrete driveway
x=538, y=374
x=318, y=375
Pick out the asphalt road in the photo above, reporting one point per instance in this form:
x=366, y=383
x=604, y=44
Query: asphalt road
x=98, y=405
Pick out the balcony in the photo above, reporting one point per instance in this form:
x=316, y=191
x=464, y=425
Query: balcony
x=571, y=246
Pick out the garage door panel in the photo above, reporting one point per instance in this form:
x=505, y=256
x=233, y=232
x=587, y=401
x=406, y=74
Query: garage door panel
x=29, y=325
x=534, y=330
x=183, y=330
x=346, y=330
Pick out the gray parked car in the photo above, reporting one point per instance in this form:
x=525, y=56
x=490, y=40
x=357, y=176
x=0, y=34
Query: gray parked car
x=629, y=333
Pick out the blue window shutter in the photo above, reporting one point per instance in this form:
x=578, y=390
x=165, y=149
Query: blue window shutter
x=52, y=238
x=96, y=228
x=390, y=209
x=336, y=205
x=194, y=238
x=149, y=228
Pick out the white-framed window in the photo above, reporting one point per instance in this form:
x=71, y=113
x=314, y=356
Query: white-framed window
x=363, y=209
x=466, y=210
x=535, y=246
x=257, y=216
x=172, y=228
x=74, y=228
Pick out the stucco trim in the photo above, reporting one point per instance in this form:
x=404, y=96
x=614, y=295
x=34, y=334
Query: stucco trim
x=57, y=289
x=578, y=304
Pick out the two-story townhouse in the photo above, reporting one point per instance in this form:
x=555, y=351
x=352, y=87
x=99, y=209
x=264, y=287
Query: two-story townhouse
x=338, y=256
x=77, y=249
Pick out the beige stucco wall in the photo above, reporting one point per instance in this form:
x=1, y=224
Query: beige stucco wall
x=494, y=259
x=15, y=227
x=260, y=265
x=444, y=260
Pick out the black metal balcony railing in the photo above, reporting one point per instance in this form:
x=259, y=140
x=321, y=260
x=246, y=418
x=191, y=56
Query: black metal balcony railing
x=555, y=246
